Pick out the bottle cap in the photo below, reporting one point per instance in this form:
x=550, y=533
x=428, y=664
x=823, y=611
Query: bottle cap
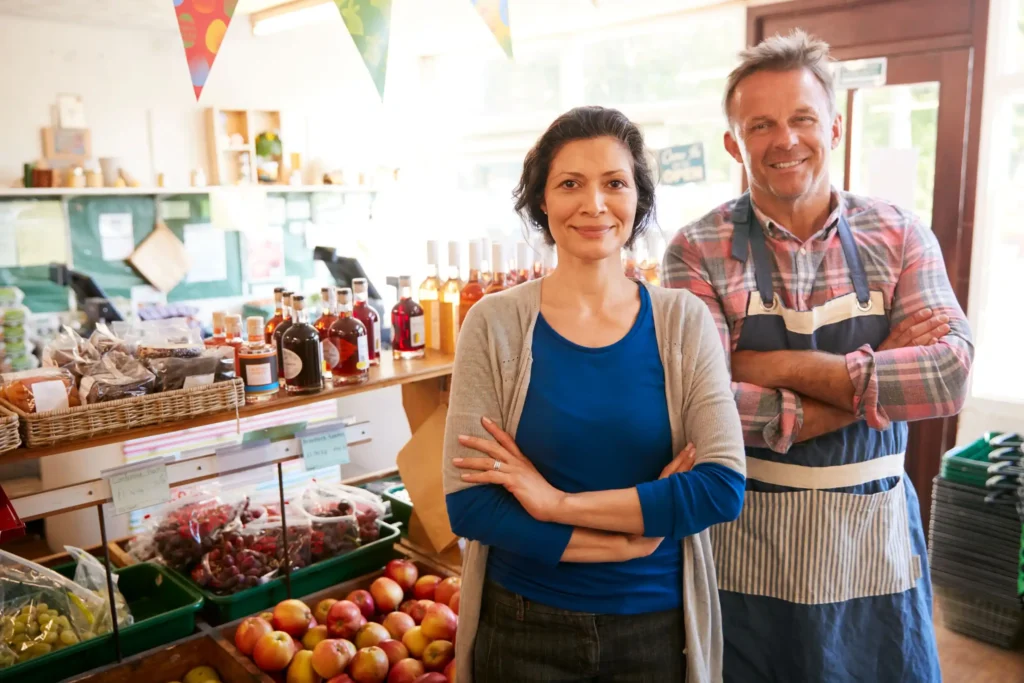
x=498, y=264
x=218, y=321
x=433, y=252
x=344, y=295
x=474, y=255
x=234, y=325
x=454, y=254
x=523, y=255
x=254, y=326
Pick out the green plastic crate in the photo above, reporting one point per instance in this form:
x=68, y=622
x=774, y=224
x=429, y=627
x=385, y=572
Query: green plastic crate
x=400, y=510
x=164, y=608
x=968, y=465
x=220, y=609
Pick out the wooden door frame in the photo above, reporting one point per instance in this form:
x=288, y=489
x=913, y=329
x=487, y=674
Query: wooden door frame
x=948, y=38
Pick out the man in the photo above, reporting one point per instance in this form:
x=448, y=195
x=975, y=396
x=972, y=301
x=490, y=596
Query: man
x=841, y=326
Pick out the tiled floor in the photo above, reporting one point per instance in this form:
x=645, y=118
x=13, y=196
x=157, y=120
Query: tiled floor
x=965, y=660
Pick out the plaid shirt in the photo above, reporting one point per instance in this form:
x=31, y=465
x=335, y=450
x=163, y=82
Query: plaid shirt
x=902, y=260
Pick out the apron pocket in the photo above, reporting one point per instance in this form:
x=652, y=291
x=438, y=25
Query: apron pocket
x=817, y=547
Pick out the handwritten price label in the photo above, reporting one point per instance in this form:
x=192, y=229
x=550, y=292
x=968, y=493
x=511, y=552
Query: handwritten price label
x=325, y=450
x=139, y=488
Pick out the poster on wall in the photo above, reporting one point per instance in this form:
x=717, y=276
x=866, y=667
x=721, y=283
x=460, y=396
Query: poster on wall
x=264, y=255
x=117, y=236
x=682, y=164
x=207, y=247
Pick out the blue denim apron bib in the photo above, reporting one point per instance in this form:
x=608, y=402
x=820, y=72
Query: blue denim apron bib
x=824, y=575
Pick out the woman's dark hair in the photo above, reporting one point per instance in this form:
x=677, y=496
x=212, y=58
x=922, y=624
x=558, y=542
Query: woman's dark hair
x=583, y=123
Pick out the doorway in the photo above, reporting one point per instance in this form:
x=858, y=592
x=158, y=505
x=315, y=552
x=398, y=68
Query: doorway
x=912, y=138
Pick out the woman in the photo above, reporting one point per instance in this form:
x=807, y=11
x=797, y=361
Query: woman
x=570, y=397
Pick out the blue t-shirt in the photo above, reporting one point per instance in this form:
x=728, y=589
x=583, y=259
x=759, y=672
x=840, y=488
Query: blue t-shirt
x=596, y=419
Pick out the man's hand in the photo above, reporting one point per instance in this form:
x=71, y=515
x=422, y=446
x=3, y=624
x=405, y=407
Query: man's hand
x=921, y=329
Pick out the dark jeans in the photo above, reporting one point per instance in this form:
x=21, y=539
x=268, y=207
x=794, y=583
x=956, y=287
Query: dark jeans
x=519, y=641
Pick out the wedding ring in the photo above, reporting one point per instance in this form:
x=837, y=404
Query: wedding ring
x=497, y=464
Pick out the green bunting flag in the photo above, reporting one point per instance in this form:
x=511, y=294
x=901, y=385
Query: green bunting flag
x=369, y=23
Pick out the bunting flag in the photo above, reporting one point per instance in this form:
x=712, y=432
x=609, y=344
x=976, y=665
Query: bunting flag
x=495, y=15
x=369, y=23
x=203, y=24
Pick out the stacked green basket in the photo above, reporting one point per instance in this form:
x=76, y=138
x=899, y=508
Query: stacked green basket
x=975, y=540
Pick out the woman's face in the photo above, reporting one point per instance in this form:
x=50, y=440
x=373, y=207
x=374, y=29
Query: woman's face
x=590, y=198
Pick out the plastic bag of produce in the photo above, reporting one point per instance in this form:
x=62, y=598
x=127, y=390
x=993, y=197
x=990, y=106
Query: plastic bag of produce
x=184, y=373
x=42, y=611
x=342, y=518
x=172, y=338
x=90, y=573
x=105, y=340
x=117, y=375
x=40, y=390
x=71, y=352
x=182, y=531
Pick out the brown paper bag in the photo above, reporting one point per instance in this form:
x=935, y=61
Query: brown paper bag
x=419, y=463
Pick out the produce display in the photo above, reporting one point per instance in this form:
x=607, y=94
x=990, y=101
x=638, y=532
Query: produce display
x=201, y=674
x=42, y=611
x=341, y=518
x=385, y=633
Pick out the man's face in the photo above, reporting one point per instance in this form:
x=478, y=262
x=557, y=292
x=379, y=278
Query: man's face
x=783, y=132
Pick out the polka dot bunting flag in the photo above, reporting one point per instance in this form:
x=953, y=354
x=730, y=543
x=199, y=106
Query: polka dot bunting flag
x=203, y=24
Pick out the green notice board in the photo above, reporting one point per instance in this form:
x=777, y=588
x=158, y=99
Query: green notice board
x=90, y=223
x=41, y=295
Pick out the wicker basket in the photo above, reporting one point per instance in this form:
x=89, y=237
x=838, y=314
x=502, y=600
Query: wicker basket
x=84, y=422
x=9, y=438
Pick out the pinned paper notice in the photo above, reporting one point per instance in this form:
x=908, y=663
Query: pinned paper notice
x=117, y=236
x=207, y=248
x=138, y=486
x=325, y=448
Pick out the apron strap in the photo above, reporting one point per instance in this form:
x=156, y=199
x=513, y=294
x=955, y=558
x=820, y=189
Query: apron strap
x=853, y=262
x=747, y=232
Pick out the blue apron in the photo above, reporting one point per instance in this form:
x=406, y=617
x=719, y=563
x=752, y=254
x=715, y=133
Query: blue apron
x=824, y=575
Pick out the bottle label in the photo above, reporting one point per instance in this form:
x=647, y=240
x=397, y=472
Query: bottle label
x=331, y=354
x=417, y=330
x=376, y=337
x=259, y=374
x=432, y=313
x=364, y=354
x=292, y=364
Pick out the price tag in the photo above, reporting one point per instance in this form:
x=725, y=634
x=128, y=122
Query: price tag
x=138, y=486
x=325, y=449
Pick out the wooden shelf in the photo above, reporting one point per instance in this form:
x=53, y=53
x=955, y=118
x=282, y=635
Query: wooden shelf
x=389, y=373
x=32, y=192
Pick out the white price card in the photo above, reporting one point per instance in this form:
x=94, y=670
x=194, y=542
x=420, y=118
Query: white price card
x=140, y=485
x=325, y=446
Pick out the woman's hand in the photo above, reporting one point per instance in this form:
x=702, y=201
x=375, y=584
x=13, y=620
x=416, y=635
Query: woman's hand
x=507, y=466
x=641, y=546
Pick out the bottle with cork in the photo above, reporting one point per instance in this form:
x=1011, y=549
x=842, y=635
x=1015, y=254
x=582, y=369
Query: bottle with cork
x=498, y=276
x=234, y=338
x=282, y=327
x=450, y=297
x=474, y=289
x=348, y=342
x=219, y=331
x=268, y=331
x=302, y=353
x=408, y=328
x=257, y=362
x=430, y=290
x=329, y=313
x=364, y=313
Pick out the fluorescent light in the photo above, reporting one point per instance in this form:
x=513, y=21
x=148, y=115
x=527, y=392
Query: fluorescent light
x=292, y=15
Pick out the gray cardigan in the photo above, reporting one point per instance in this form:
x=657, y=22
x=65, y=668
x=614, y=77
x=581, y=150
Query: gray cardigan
x=490, y=378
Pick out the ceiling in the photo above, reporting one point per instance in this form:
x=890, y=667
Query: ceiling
x=148, y=15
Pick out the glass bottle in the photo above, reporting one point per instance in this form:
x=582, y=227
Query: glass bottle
x=498, y=276
x=486, y=267
x=629, y=265
x=302, y=353
x=429, y=298
x=234, y=338
x=257, y=361
x=474, y=290
x=551, y=261
x=450, y=300
x=323, y=324
x=407, y=324
x=268, y=331
x=538, y=266
x=348, y=342
x=522, y=263
x=364, y=313
x=282, y=327
x=219, y=336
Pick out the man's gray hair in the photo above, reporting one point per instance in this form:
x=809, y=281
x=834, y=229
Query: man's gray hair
x=798, y=50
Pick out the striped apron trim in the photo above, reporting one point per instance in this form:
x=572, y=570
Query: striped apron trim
x=839, y=476
x=817, y=547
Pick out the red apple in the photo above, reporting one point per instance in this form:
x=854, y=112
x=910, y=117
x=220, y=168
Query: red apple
x=344, y=619
x=449, y=671
x=446, y=589
x=425, y=587
x=369, y=666
x=292, y=617
x=267, y=616
x=432, y=677
x=402, y=572
x=438, y=654
x=371, y=634
x=301, y=669
x=332, y=657
x=362, y=599
x=314, y=636
x=394, y=649
x=397, y=623
x=321, y=610
x=440, y=623
x=407, y=606
x=419, y=610
x=274, y=651
x=249, y=632
x=343, y=678
x=415, y=641
x=387, y=593
x=454, y=602
x=406, y=671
